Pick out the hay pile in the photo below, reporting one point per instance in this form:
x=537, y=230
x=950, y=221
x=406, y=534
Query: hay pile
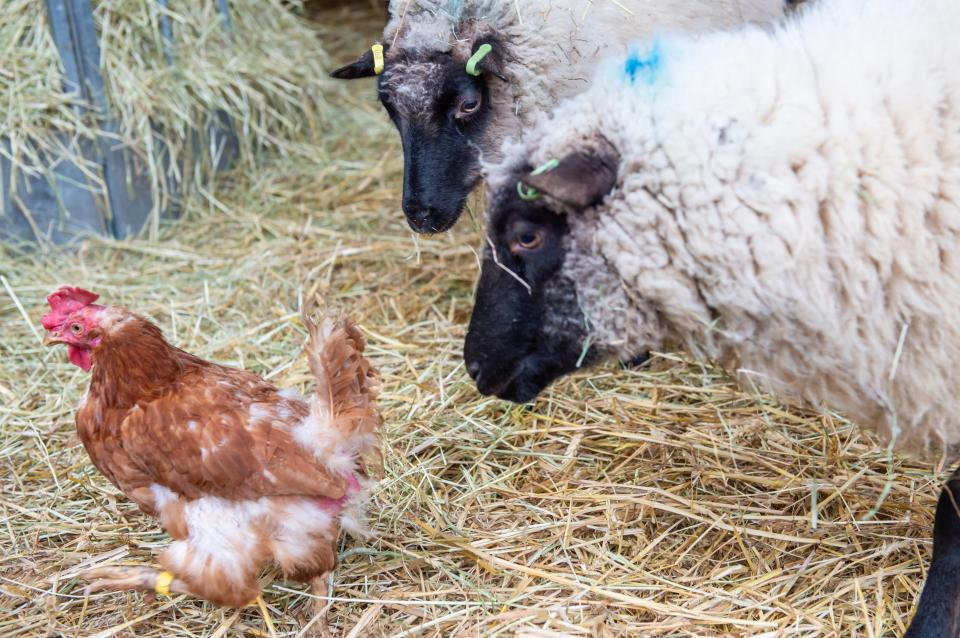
x=264, y=72
x=660, y=502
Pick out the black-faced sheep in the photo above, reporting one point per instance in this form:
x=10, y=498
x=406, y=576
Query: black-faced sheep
x=533, y=54
x=786, y=203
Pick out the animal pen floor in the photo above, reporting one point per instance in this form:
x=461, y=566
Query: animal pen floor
x=662, y=501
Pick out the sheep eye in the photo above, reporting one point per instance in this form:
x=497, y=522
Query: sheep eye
x=76, y=328
x=526, y=241
x=468, y=107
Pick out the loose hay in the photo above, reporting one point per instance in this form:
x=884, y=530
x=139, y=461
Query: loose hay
x=659, y=502
x=264, y=72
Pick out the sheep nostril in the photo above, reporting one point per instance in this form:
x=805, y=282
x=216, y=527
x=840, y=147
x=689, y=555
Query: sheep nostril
x=473, y=369
x=418, y=219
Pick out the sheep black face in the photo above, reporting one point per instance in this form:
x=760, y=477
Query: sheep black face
x=527, y=326
x=511, y=349
x=441, y=112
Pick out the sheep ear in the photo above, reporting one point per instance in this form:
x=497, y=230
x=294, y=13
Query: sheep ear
x=581, y=179
x=362, y=67
x=486, y=57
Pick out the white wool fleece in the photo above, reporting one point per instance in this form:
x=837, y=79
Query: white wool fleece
x=787, y=203
x=551, y=46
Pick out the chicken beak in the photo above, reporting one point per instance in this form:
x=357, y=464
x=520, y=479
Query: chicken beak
x=50, y=339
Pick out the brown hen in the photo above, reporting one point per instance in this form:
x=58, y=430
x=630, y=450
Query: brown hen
x=239, y=473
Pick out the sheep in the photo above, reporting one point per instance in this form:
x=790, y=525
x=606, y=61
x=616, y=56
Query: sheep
x=786, y=203
x=537, y=52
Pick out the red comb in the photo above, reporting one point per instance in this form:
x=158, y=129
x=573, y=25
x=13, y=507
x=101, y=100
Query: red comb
x=71, y=298
x=64, y=301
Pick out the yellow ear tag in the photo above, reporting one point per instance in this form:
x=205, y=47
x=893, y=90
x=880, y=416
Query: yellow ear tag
x=163, y=583
x=377, y=58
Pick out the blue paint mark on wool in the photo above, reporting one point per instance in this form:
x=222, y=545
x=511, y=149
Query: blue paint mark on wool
x=643, y=66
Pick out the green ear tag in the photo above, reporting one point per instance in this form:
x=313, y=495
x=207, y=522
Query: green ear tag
x=476, y=57
x=527, y=193
x=549, y=165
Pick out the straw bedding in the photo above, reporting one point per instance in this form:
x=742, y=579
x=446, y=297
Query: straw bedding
x=264, y=72
x=657, y=502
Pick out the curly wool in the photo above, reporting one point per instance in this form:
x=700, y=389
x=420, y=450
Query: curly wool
x=799, y=222
x=551, y=46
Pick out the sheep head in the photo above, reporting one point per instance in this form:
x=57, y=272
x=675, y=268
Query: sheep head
x=531, y=321
x=440, y=86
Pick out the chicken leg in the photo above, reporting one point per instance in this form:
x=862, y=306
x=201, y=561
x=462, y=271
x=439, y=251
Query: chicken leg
x=314, y=621
x=123, y=578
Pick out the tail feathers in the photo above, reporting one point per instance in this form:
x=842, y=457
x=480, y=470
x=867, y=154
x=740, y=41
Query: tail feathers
x=347, y=421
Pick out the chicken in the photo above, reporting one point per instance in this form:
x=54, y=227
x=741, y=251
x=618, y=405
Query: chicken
x=238, y=472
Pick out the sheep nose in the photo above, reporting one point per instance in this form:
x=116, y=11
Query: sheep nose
x=422, y=219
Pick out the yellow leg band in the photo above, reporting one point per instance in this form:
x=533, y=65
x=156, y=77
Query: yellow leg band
x=163, y=583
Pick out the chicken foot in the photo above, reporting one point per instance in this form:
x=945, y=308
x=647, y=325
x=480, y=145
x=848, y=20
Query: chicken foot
x=147, y=579
x=314, y=621
x=124, y=578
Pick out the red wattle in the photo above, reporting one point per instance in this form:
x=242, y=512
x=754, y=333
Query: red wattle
x=81, y=357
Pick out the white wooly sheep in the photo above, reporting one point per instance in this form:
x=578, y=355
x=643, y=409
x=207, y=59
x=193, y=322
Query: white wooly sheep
x=787, y=203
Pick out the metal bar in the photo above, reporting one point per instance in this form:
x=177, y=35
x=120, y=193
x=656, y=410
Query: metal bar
x=60, y=203
x=166, y=32
x=225, y=12
x=128, y=198
x=224, y=145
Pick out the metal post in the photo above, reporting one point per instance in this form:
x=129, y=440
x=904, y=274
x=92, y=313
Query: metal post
x=129, y=198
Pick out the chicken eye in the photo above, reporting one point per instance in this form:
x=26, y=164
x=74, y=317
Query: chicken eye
x=468, y=107
x=527, y=240
x=76, y=328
